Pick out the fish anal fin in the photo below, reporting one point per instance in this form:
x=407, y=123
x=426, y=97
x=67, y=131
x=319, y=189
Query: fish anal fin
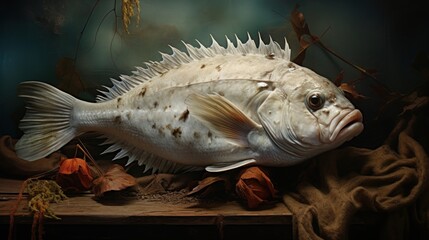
x=222, y=116
x=227, y=167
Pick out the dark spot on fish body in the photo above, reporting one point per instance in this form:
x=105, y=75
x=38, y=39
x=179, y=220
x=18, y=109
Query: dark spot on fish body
x=154, y=126
x=169, y=127
x=325, y=111
x=197, y=135
x=184, y=115
x=270, y=56
x=117, y=120
x=155, y=104
x=203, y=66
x=291, y=65
x=176, y=132
x=218, y=68
x=326, y=83
x=142, y=92
x=210, y=135
x=161, y=131
x=118, y=102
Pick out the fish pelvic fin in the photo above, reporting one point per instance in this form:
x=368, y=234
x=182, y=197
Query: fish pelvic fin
x=222, y=116
x=46, y=124
x=230, y=166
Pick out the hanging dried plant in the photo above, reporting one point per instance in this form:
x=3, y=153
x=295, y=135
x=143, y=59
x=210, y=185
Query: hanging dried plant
x=130, y=8
x=41, y=193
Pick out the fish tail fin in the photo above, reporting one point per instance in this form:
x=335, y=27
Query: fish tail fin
x=47, y=122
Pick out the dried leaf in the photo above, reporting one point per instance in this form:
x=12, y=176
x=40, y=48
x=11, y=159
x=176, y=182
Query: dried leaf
x=255, y=187
x=339, y=79
x=299, y=24
x=351, y=90
x=74, y=174
x=211, y=185
x=306, y=39
x=115, y=179
x=302, y=31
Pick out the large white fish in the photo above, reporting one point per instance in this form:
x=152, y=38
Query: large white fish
x=215, y=107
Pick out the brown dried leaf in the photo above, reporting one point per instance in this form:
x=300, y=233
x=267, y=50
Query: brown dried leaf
x=299, y=24
x=351, y=90
x=339, y=79
x=204, y=184
x=303, y=34
x=255, y=187
x=211, y=185
x=115, y=179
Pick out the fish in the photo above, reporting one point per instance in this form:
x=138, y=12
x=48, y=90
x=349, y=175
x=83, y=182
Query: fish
x=214, y=108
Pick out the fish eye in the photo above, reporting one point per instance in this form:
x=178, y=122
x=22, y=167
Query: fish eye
x=315, y=101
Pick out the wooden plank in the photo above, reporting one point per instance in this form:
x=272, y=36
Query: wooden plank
x=10, y=185
x=83, y=209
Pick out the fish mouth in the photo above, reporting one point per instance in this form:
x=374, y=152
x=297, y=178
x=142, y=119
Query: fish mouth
x=348, y=127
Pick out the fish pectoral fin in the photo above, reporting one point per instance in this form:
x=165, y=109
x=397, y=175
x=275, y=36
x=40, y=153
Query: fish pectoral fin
x=226, y=167
x=222, y=116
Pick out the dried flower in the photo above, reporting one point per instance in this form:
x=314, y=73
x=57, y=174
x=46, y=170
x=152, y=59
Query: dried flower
x=255, y=187
x=74, y=174
x=128, y=11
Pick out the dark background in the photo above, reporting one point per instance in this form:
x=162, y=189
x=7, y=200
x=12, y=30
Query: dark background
x=38, y=37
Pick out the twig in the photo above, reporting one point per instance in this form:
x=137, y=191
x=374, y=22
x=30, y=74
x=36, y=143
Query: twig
x=85, y=151
x=83, y=30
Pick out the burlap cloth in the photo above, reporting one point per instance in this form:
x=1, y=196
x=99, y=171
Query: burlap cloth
x=339, y=184
x=12, y=166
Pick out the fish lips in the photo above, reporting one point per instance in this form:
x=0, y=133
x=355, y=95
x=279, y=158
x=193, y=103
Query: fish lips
x=348, y=127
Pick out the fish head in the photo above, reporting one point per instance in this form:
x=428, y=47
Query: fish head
x=308, y=114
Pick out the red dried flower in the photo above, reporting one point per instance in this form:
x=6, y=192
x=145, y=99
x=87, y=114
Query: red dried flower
x=255, y=187
x=74, y=174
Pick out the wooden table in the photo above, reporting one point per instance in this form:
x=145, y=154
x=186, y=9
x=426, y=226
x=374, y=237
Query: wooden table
x=82, y=217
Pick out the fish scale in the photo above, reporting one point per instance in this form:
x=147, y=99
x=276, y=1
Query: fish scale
x=212, y=107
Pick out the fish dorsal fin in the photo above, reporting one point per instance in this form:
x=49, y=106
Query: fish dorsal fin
x=229, y=166
x=177, y=58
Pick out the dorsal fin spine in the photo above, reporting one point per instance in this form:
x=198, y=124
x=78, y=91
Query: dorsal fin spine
x=178, y=58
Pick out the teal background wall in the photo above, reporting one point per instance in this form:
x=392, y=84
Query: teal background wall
x=35, y=35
